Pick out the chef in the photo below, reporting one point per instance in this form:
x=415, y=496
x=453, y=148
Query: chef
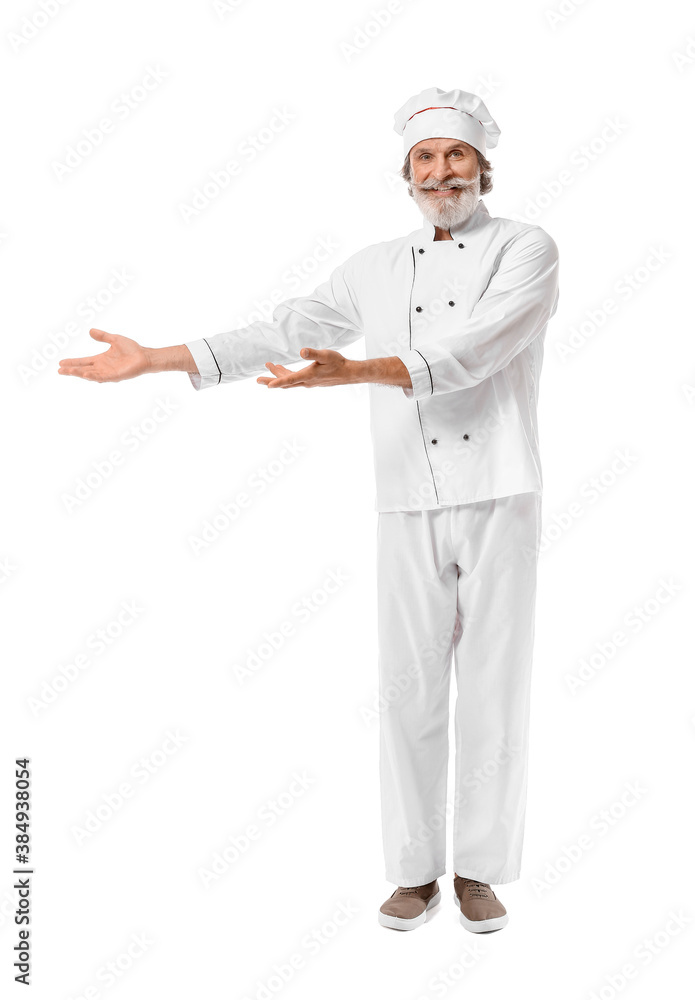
x=454, y=317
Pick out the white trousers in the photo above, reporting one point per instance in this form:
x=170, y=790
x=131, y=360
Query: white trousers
x=459, y=580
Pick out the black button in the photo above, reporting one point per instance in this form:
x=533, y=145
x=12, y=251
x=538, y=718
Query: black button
x=434, y=440
x=421, y=251
x=465, y=437
x=452, y=303
x=418, y=309
x=460, y=246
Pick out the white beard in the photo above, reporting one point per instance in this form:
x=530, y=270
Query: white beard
x=451, y=211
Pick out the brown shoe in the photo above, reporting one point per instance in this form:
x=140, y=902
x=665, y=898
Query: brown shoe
x=480, y=908
x=406, y=908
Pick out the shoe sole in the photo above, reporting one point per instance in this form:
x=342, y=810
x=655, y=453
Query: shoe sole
x=481, y=926
x=408, y=923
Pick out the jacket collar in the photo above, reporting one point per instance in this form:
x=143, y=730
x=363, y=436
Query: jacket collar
x=479, y=217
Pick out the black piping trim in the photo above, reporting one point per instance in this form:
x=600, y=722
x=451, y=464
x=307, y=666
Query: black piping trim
x=429, y=371
x=219, y=379
x=417, y=401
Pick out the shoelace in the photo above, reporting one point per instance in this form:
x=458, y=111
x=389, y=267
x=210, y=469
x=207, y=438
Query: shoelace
x=408, y=892
x=476, y=890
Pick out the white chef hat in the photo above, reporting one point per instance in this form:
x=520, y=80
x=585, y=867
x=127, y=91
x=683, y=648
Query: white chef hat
x=446, y=114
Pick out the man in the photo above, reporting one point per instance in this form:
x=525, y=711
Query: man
x=454, y=315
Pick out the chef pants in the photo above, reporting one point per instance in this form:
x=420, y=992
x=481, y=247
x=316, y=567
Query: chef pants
x=461, y=580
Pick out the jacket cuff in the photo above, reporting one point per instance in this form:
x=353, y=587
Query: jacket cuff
x=208, y=370
x=420, y=375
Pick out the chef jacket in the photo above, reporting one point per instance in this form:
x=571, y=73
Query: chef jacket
x=466, y=316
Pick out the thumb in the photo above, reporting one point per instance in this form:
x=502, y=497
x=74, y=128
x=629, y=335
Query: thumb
x=102, y=335
x=311, y=354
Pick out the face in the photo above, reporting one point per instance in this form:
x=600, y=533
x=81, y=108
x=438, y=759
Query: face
x=445, y=180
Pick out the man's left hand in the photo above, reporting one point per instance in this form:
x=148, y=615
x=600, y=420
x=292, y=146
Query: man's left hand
x=331, y=368
x=328, y=368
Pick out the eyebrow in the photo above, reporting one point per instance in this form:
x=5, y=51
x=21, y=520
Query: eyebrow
x=456, y=145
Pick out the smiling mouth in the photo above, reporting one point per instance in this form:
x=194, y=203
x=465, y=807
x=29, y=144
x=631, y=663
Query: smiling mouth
x=442, y=191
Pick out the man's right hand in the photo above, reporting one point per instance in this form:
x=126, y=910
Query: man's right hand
x=125, y=358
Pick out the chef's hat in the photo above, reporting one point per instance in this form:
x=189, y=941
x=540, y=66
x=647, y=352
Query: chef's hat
x=446, y=114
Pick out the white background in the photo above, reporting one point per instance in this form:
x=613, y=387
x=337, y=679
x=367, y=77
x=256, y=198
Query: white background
x=595, y=105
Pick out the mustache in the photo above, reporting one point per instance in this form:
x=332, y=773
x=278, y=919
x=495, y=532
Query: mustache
x=453, y=182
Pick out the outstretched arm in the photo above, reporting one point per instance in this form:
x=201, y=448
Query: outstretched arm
x=328, y=317
x=125, y=358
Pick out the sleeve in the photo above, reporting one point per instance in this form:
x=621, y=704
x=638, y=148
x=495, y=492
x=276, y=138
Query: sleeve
x=327, y=318
x=520, y=298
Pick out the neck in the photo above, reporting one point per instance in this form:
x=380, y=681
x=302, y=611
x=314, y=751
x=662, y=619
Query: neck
x=442, y=234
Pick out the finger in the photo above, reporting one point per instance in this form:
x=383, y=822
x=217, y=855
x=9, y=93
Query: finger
x=292, y=378
x=77, y=362
x=85, y=373
x=286, y=382
x=278, y=368
x=269, y=381
x=108, y=338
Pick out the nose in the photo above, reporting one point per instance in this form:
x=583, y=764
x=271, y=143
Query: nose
x=441, y=170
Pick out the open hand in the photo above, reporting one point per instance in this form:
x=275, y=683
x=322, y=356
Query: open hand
x=124, y=359
x=328, y=368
